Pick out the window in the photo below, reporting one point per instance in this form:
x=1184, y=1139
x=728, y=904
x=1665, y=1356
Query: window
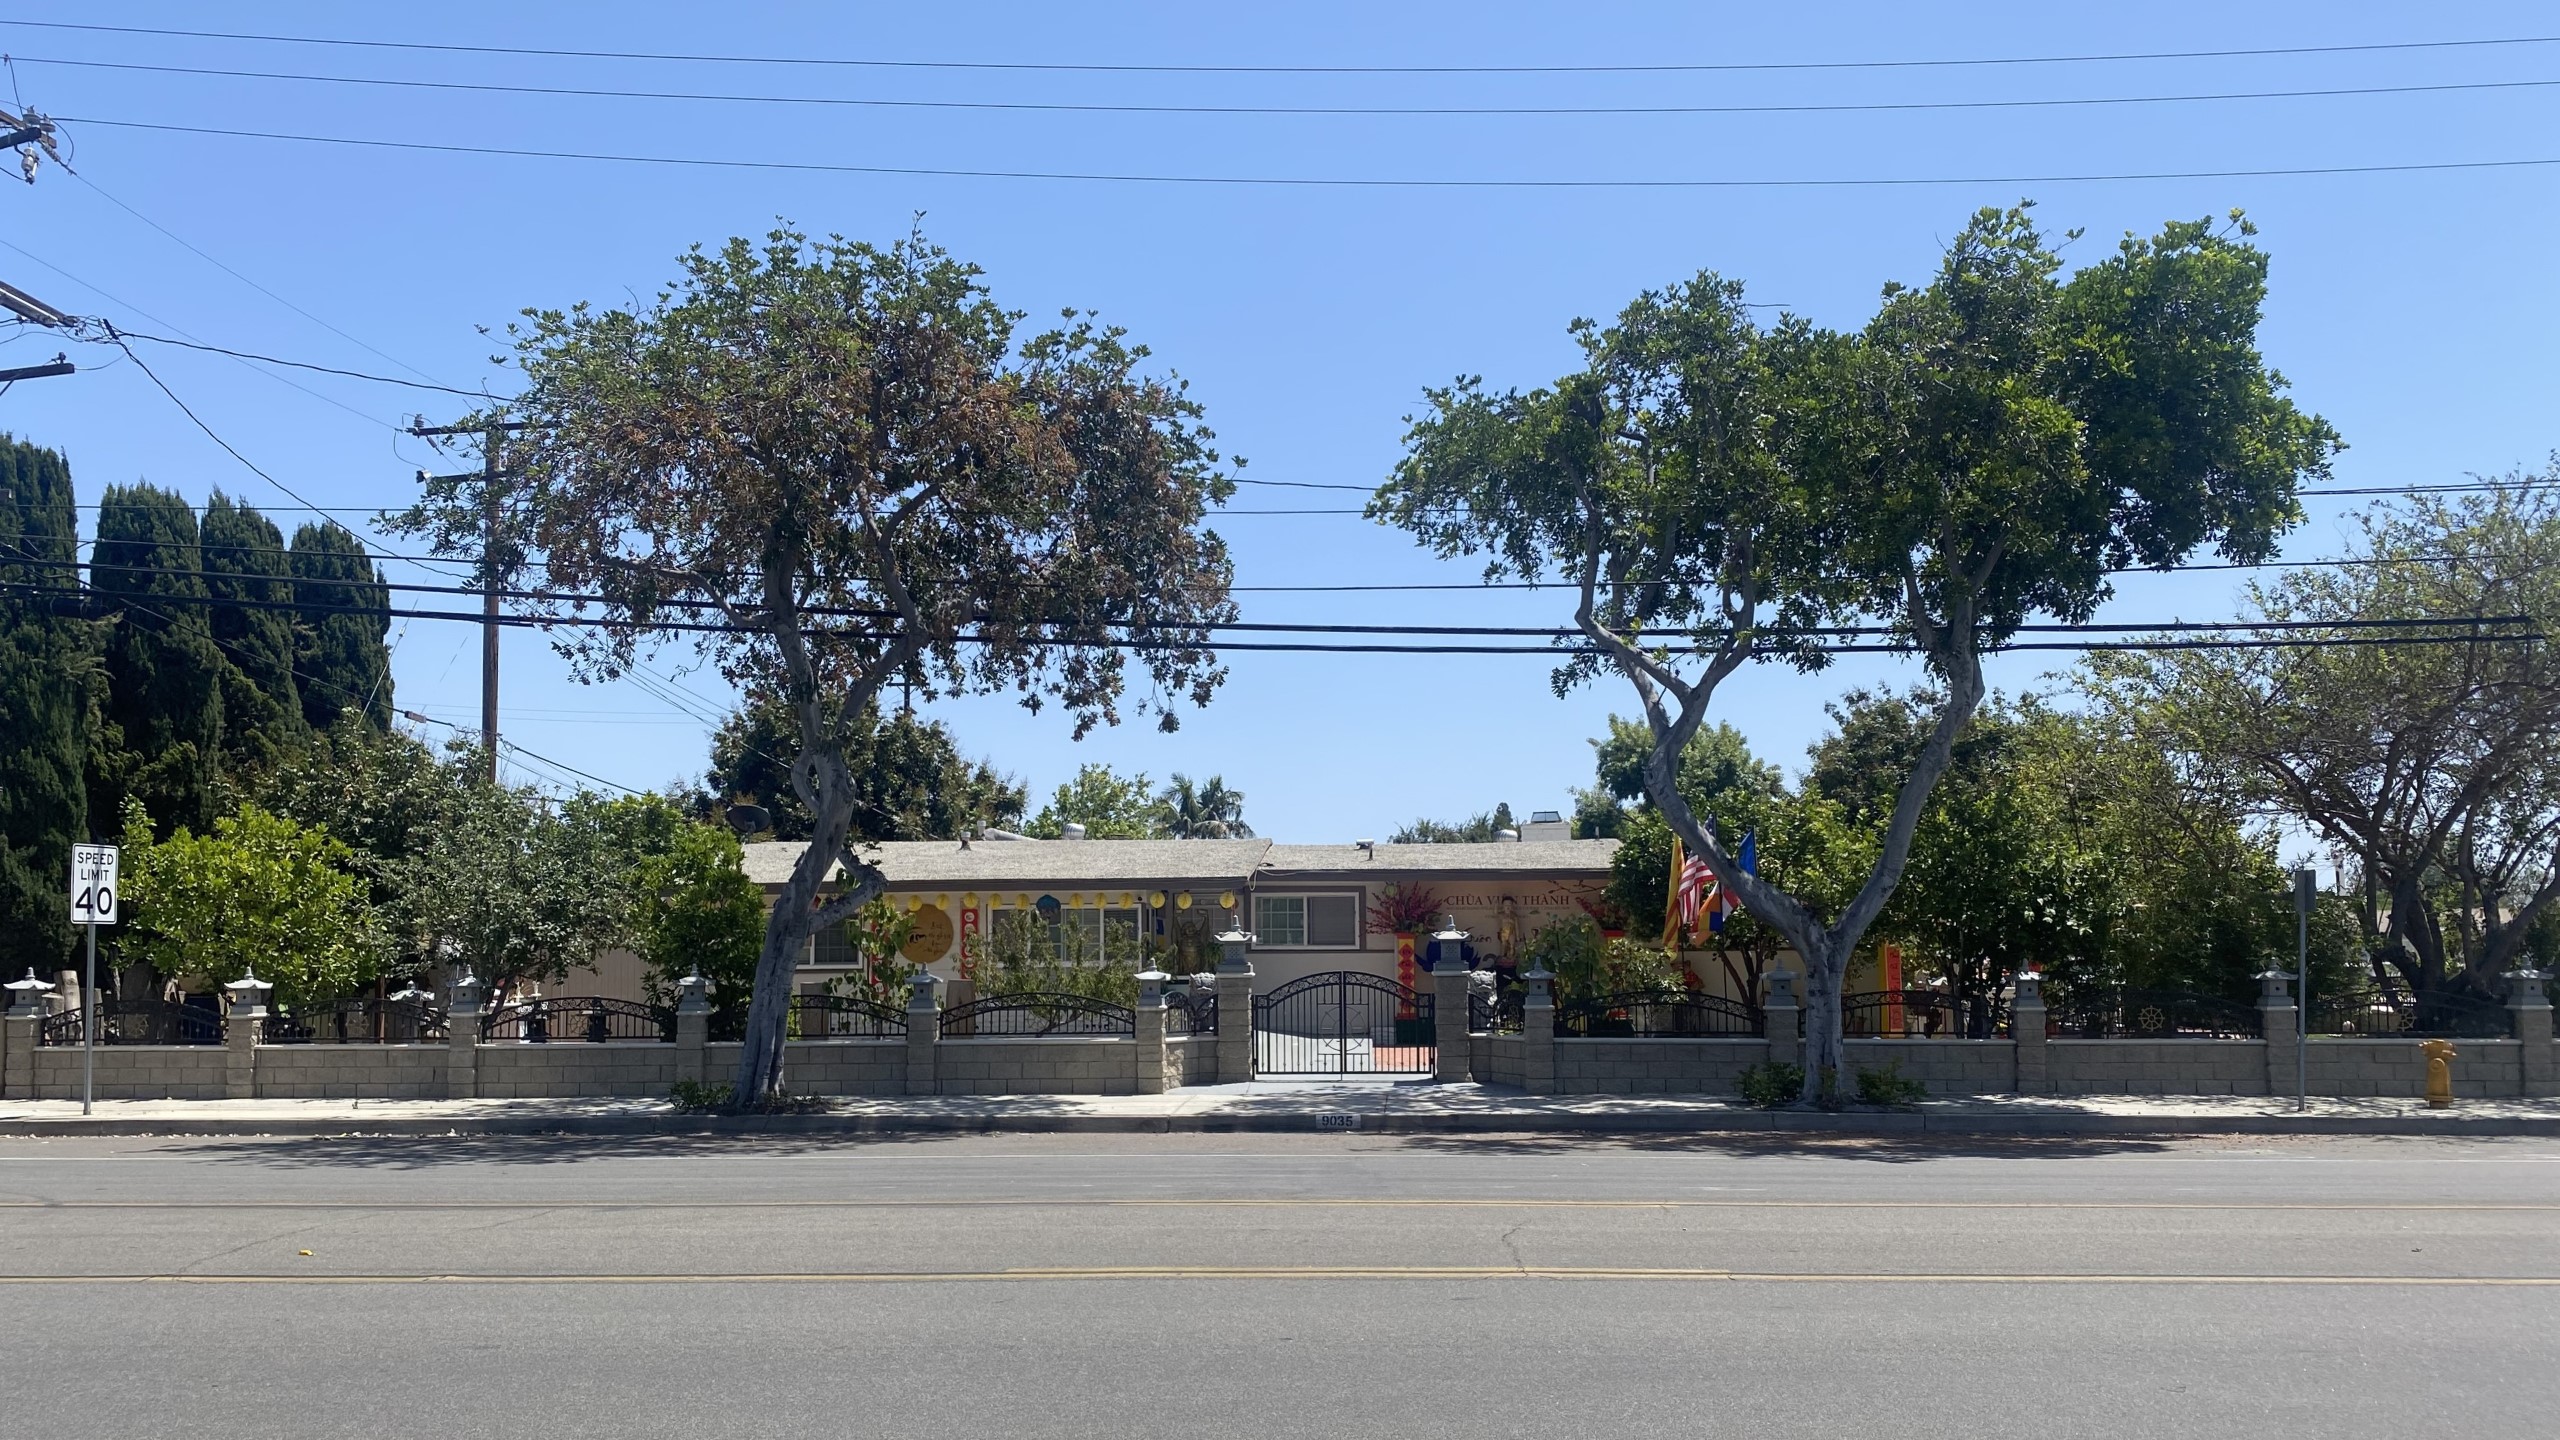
x=1086, y=936
x=1307, y=922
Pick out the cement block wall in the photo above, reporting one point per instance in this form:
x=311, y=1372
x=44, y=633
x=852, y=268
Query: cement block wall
x=1654, y=1067
x=1191, y=1060
x=2156, y=1067
x=1947, y=1067
x=1086, y=1065
x=360, y=1072
x=133, y=1072
x=625, y=1068
x=2481, y=1068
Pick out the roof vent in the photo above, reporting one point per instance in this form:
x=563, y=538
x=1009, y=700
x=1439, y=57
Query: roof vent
x=1506, y=837
x=1071, y=831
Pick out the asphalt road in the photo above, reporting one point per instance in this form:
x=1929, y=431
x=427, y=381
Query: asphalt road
x=1277, y=1286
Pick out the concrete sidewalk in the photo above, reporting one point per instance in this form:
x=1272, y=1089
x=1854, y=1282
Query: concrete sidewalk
x=1373, y=1108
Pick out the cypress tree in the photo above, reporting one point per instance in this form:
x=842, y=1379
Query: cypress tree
x=343, y=657
x=164, y=672
x=45, y=650
x=245, y=560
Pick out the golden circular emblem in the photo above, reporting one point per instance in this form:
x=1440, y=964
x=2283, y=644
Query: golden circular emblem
x=931, y=939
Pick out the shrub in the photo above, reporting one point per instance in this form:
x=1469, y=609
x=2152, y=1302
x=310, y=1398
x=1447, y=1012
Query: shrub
x=1889, y=1086
x=695, y=1097
x=1771, y=1083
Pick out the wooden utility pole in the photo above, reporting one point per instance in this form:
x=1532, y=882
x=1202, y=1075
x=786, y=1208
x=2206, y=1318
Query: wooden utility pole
x=490, y=470
x=492, y=513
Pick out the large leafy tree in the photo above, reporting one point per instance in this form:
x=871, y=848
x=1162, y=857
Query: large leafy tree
x=845, y=457
x=1481, y=828
x=2435, y=765
x=340, y=640
x=1986, y=449
x=910, y=781
x=164, y=673
x=47, y=662
x=509, y=886
x=1108, y=804
x=257, y=892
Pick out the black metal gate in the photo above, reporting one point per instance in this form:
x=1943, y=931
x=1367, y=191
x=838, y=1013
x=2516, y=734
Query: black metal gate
x=1343, y=1022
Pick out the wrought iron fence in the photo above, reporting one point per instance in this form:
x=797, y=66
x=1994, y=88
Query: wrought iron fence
x=2374, y=1012
x=1190, y=1012
x=138, y=1022
x=1496, y=1014
x=844, y=1017
x=2155, y=1015
x=1926, y=1014
x=1657, y=1014
x=364, y=1020
x=1037, y=1013
x=569, y=1019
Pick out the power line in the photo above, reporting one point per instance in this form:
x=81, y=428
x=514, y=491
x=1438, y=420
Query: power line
x=1317, y=181
x=874, y=102
x=1721, y=67
x=183, y=407
x=113, y=299
x=1360, y=588
x=836, y=612
x=307, y=365
x=1143, y=644
x=207, y=258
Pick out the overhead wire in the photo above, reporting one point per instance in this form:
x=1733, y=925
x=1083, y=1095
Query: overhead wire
x=112, y=298
x=1552, y=68
x=1322, y=181
x=1144, y=643
x=876, y=102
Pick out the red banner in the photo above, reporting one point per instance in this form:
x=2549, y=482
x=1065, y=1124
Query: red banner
x=969, y=942
x=1405, y=975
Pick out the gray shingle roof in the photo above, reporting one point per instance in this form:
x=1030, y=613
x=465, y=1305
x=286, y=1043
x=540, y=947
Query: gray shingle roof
x=1534, y=857
x=911, y=864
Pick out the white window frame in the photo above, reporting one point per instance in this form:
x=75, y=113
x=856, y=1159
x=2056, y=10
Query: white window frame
x=1265, y=939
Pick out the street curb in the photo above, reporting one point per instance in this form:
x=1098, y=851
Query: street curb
x=1740, y=1123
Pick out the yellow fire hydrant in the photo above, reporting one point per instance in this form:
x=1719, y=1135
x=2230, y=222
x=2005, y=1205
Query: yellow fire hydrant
x=2439, y=1073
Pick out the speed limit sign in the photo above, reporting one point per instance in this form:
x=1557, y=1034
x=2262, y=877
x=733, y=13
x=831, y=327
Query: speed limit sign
x=93, y=884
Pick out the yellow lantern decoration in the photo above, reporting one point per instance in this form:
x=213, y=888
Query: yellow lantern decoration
x=1182, y=901
x=1156, y=901
x=942, y=901
x=1128, y=901
x=1226, y=899
x=914, y=903
x=1022, y=902
x=969, y=901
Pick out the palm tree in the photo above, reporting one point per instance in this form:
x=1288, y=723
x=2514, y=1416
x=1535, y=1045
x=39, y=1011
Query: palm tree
x=1207, y=810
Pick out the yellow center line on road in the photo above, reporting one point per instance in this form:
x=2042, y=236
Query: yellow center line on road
x=1285, y=1203
x=1295, y=1272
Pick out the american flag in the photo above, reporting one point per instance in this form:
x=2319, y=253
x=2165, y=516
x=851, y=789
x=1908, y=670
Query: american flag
x=1697, y=888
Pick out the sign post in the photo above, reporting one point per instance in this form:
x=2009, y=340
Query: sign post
x=93, y=903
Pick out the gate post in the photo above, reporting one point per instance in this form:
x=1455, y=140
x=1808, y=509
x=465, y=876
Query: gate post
x=2026, y=1033
x=1449, y=1006
x=924, y=1034
x=1235, y=1007
x=462, y=1039
x=1150, y=1030
x=2281, y=1021
x=2529, y=1013
x=1782, y=1019
x=18, y=1025
x=242, y=1019
x=693, y=1025
x=1538, y=1034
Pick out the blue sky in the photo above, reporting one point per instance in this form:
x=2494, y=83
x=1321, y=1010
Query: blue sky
x=2415, y=310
